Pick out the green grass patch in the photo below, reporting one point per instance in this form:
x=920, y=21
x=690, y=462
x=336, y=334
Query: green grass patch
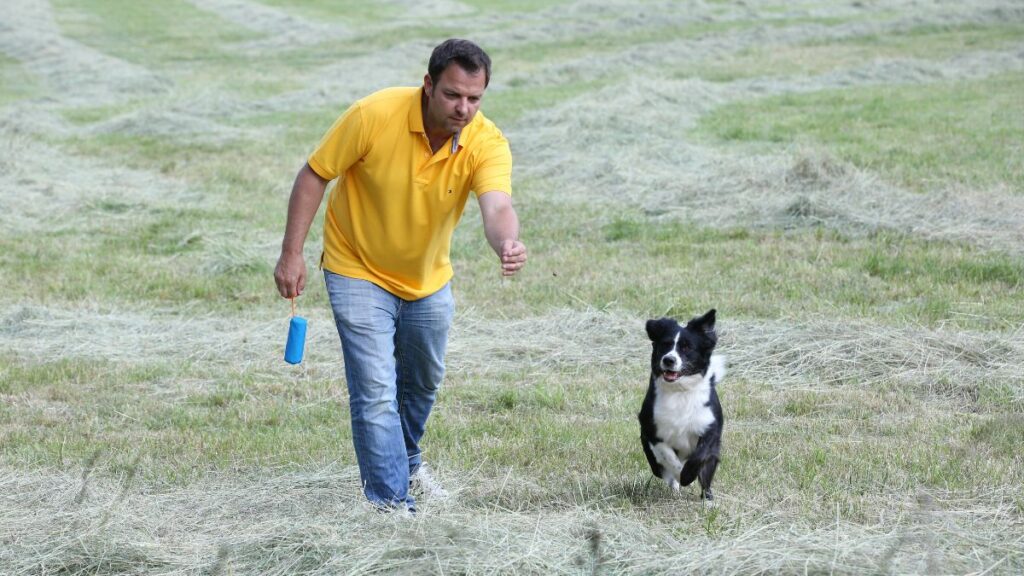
x=363, y=13
x=898, y=261
x=516, y=6
x=150, y=33
x=924, y=137
x=929, y=42
x=197, y=49
x=86, y=115
x=69, y=410
x=16, y=83
x=251, y=178
x=652, y=267
x=1001, y=433
x=609, y=38
x=165, y=262
x=935, y=41
x=508, y=105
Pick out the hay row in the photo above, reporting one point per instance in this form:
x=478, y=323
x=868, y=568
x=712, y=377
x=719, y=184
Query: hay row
x=282, y=30
x=84, y=195
x=315, y=523
x=646, y=158
x=779, y=353
x=78, y=74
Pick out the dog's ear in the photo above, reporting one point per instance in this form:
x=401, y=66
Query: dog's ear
x=705, y=324
x=655, y=328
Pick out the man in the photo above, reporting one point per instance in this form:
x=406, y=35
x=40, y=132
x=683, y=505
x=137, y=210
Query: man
x=406, y=159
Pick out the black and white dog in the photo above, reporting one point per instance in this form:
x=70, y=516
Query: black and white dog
x=681, y=418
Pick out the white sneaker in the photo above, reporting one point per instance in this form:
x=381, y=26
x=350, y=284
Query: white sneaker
x=423, y=483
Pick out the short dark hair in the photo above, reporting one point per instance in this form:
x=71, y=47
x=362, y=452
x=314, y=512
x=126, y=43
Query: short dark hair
x=466, y=54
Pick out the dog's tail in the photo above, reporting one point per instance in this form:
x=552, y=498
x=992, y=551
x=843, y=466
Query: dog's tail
x=716, y=369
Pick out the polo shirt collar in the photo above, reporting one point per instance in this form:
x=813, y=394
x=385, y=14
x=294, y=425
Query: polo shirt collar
x=416, y=113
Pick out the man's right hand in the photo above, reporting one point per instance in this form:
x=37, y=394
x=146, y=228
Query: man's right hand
x=307, y=192
x=290, y=274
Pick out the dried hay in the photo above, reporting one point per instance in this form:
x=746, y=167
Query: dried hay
x=84, y=195
x=282, y=31
x=78, y=74
x=412, y=11
x=646, y=158
x=824, y=352
x=184, y=123
x=783, y=353
x=665, y=56
x=316, y=522
x=38, y=334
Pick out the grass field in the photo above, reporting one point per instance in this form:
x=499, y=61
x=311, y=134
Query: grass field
x=843, y=181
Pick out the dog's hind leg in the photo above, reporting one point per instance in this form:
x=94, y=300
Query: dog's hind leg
x=707, y=473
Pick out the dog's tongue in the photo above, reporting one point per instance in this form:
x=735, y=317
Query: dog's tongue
x=670, y=376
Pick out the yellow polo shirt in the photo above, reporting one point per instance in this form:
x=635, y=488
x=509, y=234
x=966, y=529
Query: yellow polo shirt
x=391, y=216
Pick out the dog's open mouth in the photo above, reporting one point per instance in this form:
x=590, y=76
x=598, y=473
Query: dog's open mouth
x=670, y=376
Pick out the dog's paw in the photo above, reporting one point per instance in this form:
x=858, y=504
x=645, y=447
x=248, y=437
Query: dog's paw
x=708, y=499
x=673, y=484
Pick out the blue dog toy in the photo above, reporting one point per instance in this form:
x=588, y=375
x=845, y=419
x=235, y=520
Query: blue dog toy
x=296, y=338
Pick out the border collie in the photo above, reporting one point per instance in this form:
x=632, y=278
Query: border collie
x=681, y=417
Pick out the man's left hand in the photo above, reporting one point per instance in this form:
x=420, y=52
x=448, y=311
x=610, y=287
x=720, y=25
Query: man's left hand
x=513, y=257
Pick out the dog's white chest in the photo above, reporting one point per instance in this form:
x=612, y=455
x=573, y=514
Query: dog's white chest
x=681, y=417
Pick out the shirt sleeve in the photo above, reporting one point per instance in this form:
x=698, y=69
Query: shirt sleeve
x=493, y=170
x=341, y=147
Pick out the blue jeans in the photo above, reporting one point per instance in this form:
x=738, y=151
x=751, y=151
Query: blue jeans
x=394, y=363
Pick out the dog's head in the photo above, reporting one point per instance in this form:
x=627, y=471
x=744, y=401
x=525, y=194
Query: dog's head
x=681, y=351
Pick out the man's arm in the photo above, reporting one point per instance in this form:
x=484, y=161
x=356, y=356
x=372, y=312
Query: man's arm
x=307, y=193
x=501, y=227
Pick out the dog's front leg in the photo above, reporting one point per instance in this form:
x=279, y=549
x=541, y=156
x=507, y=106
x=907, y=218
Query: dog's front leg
x=671, y=466
x=707, y=473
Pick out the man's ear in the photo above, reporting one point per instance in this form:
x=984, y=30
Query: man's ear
x=428, y=85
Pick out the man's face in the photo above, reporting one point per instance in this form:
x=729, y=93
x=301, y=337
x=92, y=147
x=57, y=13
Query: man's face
x=454, y=100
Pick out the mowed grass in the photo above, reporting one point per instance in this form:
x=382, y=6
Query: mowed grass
x=965, y=134
x=70, y=410
x=887, y=277
x=163, y=33
x=927, y=43
x=16, y=84
x=823, y=443
x=874, y=411
x=178, y=258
